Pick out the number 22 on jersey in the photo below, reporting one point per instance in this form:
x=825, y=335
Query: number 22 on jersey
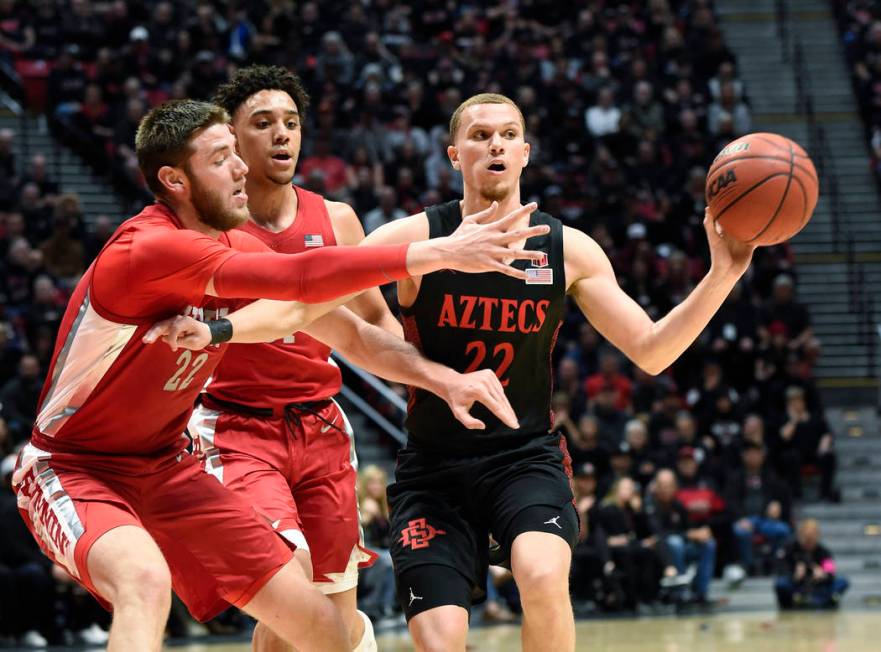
x=188, y=364
x=502, y=355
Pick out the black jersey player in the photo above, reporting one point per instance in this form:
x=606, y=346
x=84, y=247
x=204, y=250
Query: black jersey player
x=455, y=487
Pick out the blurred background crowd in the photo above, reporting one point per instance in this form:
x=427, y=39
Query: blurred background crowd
x=679, y=477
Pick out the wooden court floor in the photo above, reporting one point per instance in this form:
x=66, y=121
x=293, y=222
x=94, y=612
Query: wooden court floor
x=753, y=632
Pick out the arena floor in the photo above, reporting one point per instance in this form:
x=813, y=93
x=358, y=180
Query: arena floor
x=755, y=632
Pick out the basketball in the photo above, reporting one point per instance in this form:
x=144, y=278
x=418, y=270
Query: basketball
x=762, y=188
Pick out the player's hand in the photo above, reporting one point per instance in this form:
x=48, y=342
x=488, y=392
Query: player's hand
x=484, y=387
x=180, y=333
x=485, y=242
x=726, y=253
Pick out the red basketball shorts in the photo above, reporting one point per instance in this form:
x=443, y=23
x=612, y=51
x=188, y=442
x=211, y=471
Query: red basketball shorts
x=219, y=551
x=300, y=473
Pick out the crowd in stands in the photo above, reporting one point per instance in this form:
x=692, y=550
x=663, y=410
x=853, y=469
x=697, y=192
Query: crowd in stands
x=678, y=476
x=859, y=22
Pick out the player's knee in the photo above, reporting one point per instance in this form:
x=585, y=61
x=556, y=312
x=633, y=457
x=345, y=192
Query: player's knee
x=542, y=579
x=438, y=635
x=147, y=583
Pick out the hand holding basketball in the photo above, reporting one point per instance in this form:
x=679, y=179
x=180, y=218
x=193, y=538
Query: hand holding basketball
x=762, y=189
x=726, y=253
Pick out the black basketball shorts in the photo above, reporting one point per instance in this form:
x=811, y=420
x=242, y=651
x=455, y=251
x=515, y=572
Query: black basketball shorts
x=444, y=509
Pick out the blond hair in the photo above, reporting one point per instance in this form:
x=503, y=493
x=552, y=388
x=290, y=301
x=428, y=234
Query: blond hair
x=482, y=98
x=373, y=472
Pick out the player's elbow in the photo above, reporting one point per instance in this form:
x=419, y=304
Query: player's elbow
x=651, y=367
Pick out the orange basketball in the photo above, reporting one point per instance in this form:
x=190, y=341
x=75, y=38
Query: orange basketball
x=762, y=189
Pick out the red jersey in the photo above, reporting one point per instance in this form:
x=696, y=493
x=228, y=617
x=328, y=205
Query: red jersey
x=296, y=368
x=107, y=391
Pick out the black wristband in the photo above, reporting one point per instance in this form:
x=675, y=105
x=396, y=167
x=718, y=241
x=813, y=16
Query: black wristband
x=221, y=330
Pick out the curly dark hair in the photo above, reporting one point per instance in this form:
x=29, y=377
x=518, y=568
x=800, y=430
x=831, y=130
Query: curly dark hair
x=253, y=79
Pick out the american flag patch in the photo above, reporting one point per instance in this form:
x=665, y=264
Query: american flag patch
x=541, y=262
x=313, y=240
x=539, y=276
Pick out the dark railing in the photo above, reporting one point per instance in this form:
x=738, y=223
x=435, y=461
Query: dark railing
x=860, y=301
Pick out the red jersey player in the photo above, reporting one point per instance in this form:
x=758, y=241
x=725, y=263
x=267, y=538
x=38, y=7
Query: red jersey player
x=268, y=425
x=106, y=485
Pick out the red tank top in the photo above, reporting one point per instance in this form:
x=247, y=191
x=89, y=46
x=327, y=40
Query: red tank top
x=296, y=368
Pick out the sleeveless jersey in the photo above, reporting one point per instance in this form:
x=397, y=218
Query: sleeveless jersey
x=108, y=392
x=488, y=321
x=296, y=368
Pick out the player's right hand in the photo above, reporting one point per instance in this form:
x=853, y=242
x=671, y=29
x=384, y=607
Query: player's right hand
x=479, y=387
x=180, y=333
x=485, y=242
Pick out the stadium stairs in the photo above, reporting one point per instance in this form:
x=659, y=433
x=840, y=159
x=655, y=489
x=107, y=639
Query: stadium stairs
x=65, y=167
x=798, y=83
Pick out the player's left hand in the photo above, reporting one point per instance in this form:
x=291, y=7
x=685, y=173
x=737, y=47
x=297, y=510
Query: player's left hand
x=726, y=253
x=479, y=387
x=180, y=333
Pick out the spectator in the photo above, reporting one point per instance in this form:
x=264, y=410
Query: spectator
x=729, y=107
x=63, y=253
x=609, y=378
x=18, y=398
x=378, y=581
x=633, y=543
x=761, y=504
x=644, y=460
x=784, y=309
x=808, y=575
x=603, y=118
x=805, y=439
x=332, y=167
x=686, y=544
x=386, y=212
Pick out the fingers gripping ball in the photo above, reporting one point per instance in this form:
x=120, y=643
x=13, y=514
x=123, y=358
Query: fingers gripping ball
x=762, y=189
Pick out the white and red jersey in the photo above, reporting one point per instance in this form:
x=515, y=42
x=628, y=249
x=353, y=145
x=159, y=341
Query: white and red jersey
x=107, y=391
x=296, y=368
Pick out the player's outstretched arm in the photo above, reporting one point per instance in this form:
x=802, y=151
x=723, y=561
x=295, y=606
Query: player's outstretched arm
x=653, y=346
x=481, y=244
x=394, y=359
x=264, y=320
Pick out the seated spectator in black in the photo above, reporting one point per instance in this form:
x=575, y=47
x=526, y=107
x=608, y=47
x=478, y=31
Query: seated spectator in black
x=730, y=107
x=66, y=84
x=644, y=459
x=18, y=398
x=620, y=463
x=91, y=128
x=587, y=446
x=721, y=427
x=646, y=114
x=784, y=308
x=649, y=391
x=377, y=583
x=594, y=575
x=46, y=310
x=37, y=213
x=633, y=544
x=610, y=418
x=387, y=211
x=686, y=436
x=761, y=504
x=685, y=544
x=807, y=576
x=23, y=263
x=703, y=501
x=662, y=422
x=38, y=173
x=735, y=332
x=803, y=439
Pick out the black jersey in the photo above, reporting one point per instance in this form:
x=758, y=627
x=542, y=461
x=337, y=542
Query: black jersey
x=488, y=321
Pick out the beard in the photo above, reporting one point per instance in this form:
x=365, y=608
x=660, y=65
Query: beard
x=211, y=210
